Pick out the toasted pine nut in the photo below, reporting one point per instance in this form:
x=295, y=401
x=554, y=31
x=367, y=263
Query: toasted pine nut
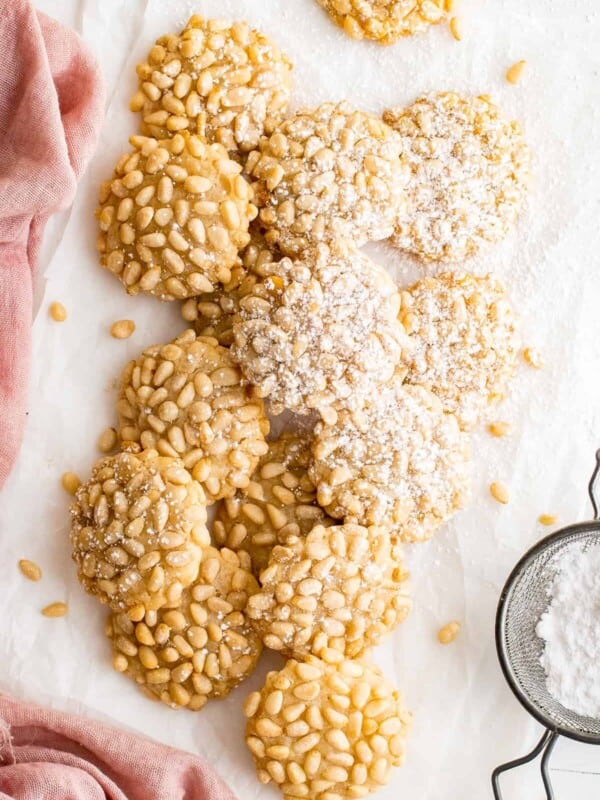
x=122, y=329
x=513, y=73
x=499, y=429
x=70, y=482
x=448, y=633
x=55, y=610
x=456, y=28
x=107, y=440
x=547, y=519
x=58, y=312
x=533, y=357
x=499, y=492
x=30, y=569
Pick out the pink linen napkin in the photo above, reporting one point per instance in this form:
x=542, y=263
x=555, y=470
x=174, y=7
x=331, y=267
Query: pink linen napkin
x=51, y=109
x=49, y=755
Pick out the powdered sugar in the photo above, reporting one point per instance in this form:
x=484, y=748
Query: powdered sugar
x=570, y=628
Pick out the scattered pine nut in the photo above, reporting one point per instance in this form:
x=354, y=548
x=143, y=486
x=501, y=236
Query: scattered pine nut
x=533, y=357
x=58, y=312
x=137, y=101
x=448, y=633
x=70, y=482
x=456, y=28
x=30, y=569
x=499, y=429
x=55, y=610
x=547, y=519
x=122, y=329
x=107, y=440
x=513, y=74
x=499, y=492
x=449, y=6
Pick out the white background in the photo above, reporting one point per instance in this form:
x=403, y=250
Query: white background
x=466, y=720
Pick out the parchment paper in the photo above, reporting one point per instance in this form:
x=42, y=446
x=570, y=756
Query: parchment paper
x=466, y=720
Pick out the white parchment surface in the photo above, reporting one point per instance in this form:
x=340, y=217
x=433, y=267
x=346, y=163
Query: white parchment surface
x=466, y=720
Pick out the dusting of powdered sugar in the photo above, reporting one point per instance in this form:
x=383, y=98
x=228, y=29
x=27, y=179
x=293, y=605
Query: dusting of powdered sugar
x=570, y=628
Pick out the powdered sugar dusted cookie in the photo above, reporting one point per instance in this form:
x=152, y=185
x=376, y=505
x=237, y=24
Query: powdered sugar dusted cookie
x=326, y=731
x=469, y=175
x=333, y=593
x=201, y=648
x=399, y=461
x=326, y=173
x=385, y=21
x=464, y=341
x=221, y=80
x=320, y=331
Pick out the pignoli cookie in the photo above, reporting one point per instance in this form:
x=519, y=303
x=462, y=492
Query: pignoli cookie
x=201, y=648
x=326, y=731
x=221, y=80
x=326, y=173
x=174, y=217
x=385, y=21
x=138, y=530
x=186, y=399
x=333, y=593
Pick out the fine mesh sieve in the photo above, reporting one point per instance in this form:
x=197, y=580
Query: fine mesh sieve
x=522, y=602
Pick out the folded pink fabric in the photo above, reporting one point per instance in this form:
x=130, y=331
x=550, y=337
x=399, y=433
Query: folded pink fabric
x=48, y=755
x=51, y=109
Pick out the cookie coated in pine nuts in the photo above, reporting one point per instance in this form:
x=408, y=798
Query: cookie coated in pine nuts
x=326, y=731
x=399, y=461
x=138, y=530
x=186, y=399
x=319, y=331
x=221, y=80
x=326, y=173
x=202, y=648
x=212, y=313
x=174, y=217
x=465, y=341
x=333, y=593
x=280, y=501
x=469, y=174
x=384, y=21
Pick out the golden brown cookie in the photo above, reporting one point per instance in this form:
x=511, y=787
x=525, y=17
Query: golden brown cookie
x=221, y=80
x=469, y=175
x=464, y=342
x=186, y=399
x=333, y=593
x=201, y=648
x=400, y=461
x=327, y=173
x=280, y=501
x=326, y=731
x=385, y=21
x=138, y=530
x=174, y=217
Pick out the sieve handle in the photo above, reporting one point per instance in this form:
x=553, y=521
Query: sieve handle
x=594, y=487
x=545, y=745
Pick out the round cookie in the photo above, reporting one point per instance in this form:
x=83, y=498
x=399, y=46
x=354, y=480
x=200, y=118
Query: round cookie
x=465, y=341
x=333, y=593
x=326, y=731
x=138, y=530
x=469, y=170
x=320, y=331
x=186, y=399
x=212, y=313
x=326, y=173
x=221, y=80
x=399, y=461
x=202, y=648
x=384, y=21
x=280, y=501
x=174, y=217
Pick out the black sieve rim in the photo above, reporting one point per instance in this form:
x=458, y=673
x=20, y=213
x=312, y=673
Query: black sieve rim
x=507, y=591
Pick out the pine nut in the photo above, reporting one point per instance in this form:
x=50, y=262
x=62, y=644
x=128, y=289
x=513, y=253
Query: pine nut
x=58, y=312
x=499, y=492
x=107, y=441
x=55, y=610
x=456, y=28
x=448, y=632
x=533, y=357
x=122, y=329
x=499, y=429
x=515, y=72
x=70, y=482
x=547, y=519
x=30, y=569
